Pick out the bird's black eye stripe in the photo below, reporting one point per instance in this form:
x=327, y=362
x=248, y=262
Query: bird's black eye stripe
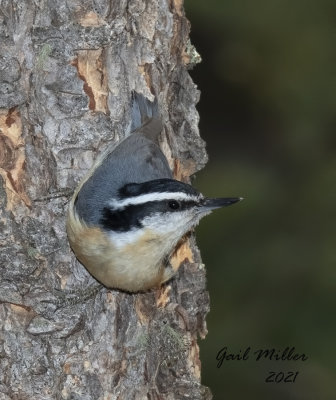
x=133, y=215
x=173, y=204
x=123, y=220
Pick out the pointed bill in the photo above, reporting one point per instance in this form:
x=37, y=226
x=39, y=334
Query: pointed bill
x=212, y=204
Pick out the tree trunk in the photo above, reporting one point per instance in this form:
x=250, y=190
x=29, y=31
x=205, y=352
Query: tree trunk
x=67, y=69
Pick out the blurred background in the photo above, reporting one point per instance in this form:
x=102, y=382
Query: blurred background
x=268, y=115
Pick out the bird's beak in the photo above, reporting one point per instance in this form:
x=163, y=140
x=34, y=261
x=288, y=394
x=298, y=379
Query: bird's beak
x=212, y=204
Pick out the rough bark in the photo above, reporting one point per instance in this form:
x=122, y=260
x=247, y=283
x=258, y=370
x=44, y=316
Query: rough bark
x=67, y=69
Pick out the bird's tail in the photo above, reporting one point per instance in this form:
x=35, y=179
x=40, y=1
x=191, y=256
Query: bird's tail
x=142, y=110
x=145, y=116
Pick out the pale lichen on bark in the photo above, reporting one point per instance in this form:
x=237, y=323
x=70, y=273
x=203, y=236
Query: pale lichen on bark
x=67, y=69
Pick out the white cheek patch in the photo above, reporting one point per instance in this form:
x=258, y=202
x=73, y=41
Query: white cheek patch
x=176, y=223
x=167, y=228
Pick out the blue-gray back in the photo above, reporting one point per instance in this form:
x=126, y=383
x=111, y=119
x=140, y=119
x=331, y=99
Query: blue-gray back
x=136, y=159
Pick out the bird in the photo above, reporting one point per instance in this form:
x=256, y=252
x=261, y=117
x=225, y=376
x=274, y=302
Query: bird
x=128, y=213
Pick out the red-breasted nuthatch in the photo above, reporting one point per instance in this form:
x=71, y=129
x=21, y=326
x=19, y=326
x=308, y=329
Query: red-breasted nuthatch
x=128, y=213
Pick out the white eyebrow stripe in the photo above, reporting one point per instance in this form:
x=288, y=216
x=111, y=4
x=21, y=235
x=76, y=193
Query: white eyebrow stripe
x=155, y=196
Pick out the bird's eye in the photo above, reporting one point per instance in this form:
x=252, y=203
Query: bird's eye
x=173, y=204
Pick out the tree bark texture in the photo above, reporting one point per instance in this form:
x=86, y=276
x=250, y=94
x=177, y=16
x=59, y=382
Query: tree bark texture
x=67, y=69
